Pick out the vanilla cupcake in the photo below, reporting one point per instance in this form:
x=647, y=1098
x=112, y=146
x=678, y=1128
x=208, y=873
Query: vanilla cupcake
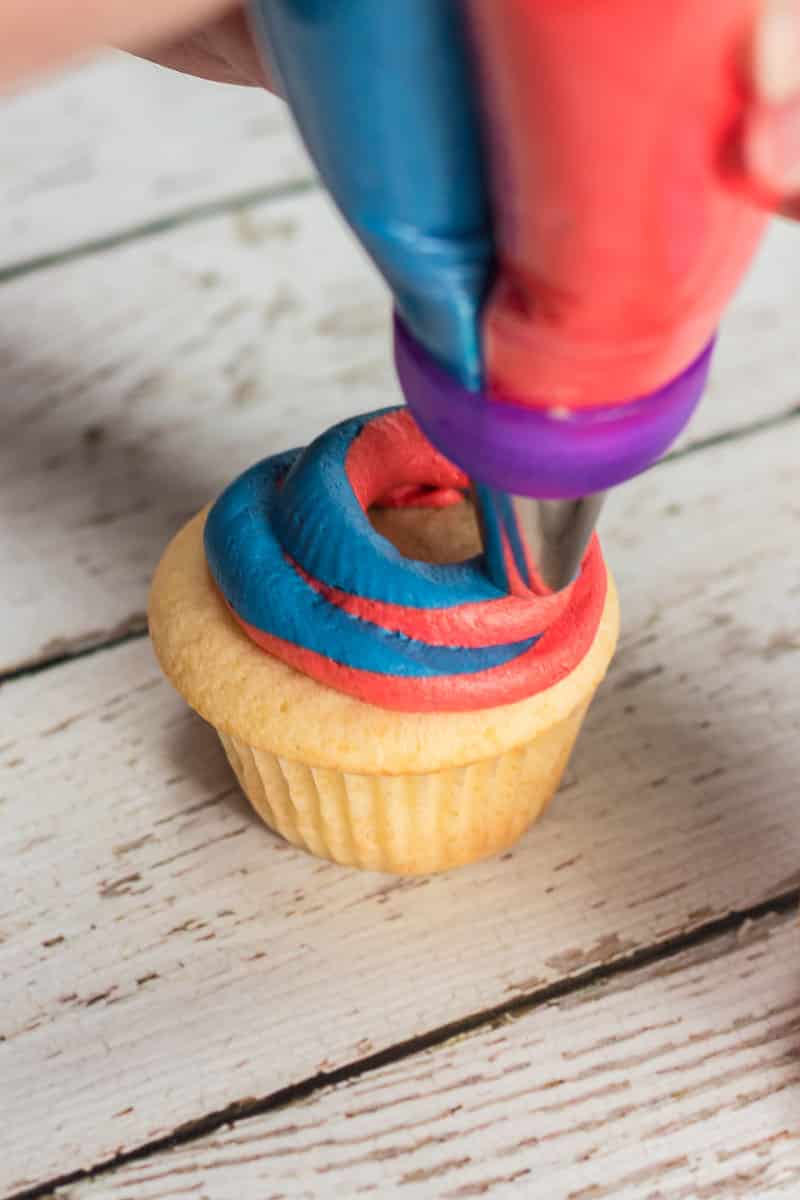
x=382, y=703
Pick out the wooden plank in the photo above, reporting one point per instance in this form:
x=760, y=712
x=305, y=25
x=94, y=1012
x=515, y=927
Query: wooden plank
x=137, y=383
x=164, y=956
x=120, y=143
x=756, y=370
x=681, y=1082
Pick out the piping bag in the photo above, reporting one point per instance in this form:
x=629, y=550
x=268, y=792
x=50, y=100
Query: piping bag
x=548, y=188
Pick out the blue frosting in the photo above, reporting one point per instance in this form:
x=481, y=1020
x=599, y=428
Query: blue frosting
x=301, y=504
x=382, y=93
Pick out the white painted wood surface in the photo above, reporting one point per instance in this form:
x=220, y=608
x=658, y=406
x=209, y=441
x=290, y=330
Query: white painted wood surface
x=138, y=382
x=681, y=1082
x=122, y=143
x=164, y=956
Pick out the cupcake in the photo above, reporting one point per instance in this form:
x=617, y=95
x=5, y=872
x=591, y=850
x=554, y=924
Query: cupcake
x=381, y=702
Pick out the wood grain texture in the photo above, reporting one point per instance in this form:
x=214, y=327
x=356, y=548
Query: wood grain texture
x=135, y=384
x=681, y=1082
x=121, y=143
x=164, y=956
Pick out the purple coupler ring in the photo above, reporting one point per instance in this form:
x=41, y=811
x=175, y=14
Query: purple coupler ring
x=532, y=452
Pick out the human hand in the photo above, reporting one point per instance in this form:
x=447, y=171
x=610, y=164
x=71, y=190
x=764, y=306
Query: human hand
x=208, y=38
x=222, y=50
x=770, y=150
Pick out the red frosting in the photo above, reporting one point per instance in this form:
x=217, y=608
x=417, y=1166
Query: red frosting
x=390, y=462
x=551, y=659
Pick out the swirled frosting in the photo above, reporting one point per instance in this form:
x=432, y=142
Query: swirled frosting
x=292, y=550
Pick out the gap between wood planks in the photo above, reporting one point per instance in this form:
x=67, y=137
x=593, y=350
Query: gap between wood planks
x=786, y=905
x=135, y=628
x=174, y=220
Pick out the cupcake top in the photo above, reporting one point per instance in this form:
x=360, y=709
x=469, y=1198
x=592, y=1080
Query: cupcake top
x=291, y=548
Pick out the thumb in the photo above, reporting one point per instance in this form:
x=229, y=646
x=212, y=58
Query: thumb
x=771, y=135
x=38, y=36
x=223, y=51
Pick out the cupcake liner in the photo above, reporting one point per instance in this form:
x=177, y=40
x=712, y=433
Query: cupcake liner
x=407, y=824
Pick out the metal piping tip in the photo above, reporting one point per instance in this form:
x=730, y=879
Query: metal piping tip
x=534, y=545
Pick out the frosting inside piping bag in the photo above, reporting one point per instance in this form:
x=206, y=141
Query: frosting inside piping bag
x=292, y=550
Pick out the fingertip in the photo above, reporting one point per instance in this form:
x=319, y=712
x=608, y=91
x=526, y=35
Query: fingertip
x=776, y=51
x=771, y=148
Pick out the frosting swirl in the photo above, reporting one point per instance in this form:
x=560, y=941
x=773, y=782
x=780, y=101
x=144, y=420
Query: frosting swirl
x=290, y=546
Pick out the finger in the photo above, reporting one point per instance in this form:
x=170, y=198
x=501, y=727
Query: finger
x=771, y=129
x=772, y=147
x=41, y=35
x=224, y=52
x=776, y=52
